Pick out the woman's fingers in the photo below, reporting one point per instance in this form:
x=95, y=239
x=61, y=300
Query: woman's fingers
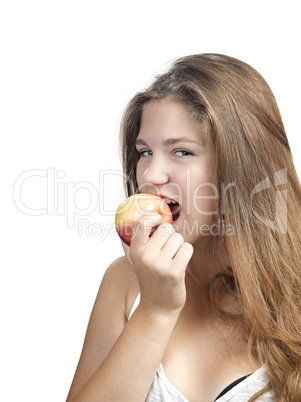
x=159, y=263
x=172, y=245
x=143, y=228
x=183, y=255
x=162, y=234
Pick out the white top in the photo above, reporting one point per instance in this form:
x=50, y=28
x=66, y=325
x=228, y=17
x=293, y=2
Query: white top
x=162, y=390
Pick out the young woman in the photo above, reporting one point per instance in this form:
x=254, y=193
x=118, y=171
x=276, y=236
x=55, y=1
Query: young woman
x=208, y=308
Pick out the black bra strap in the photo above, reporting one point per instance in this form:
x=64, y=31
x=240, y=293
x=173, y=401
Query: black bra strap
x=232, y=385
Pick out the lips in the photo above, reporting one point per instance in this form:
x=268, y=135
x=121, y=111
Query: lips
x=174, y=206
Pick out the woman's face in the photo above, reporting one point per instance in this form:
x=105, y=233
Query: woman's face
x=175, y=163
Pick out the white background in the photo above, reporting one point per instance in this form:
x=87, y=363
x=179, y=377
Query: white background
x=68, y=69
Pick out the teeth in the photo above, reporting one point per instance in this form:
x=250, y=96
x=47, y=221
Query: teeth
x=170, y=201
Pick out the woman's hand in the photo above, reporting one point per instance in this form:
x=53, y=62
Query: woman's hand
x=159, y=263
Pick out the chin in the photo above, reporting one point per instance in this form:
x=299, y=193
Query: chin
x=193, y=231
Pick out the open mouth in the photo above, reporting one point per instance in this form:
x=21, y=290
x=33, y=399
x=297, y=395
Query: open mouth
x=174, y=206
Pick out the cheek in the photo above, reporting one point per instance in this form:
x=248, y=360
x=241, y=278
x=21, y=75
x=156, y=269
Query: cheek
x=204, y=194
x=204, y=199
x=144, y=186
x=139, y=173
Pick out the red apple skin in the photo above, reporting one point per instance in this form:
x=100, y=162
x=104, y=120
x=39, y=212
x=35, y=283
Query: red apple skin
x=135, y=206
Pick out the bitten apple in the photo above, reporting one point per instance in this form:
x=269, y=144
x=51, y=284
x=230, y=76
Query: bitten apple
x=135, y=206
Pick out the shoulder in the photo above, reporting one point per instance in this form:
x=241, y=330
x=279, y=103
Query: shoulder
x=120, y=283
x=119, y=269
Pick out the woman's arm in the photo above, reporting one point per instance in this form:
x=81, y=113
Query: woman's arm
x=107, y=321
x=119, y=359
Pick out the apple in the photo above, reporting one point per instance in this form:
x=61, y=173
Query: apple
x=135, y=206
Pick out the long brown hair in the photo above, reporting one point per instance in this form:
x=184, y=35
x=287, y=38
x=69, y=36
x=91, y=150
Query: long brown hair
x=236, y=107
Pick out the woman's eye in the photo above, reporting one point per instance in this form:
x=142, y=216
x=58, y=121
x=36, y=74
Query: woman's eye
x=182, y=153
x=144, y=153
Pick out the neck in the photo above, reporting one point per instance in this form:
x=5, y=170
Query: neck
x=204, y=265
x=202, y=268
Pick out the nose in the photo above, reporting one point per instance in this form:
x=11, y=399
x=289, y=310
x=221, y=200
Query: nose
x=154, y=174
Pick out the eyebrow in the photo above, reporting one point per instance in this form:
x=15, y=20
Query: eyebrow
x=170, y=141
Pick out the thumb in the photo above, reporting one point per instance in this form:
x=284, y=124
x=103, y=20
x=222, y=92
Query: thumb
x=126, y=250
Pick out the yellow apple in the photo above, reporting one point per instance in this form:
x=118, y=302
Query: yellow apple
x=135, y=206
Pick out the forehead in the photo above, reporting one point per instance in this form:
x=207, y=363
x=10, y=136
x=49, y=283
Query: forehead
x=167, y=115
x=168, y=119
